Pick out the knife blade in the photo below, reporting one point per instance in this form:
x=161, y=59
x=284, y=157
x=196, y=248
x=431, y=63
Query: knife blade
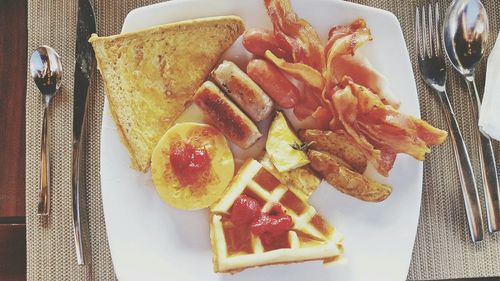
x=84, y=65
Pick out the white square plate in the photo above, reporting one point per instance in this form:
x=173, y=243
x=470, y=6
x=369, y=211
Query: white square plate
x=149, y=240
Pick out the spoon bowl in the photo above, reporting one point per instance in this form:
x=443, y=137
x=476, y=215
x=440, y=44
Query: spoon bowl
x=465, y=35
x=46, y=71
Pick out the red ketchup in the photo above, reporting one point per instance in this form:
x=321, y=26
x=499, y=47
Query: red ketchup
x=188, y=162
x=273, y=223
x=247, y=211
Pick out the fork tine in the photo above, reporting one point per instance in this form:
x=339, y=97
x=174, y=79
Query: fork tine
x=432, y=35
x=418, y=34
x=430, y=57
x=425, y=39
x=437, y=30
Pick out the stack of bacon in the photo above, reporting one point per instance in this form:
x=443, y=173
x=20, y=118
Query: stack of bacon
x=342, y=92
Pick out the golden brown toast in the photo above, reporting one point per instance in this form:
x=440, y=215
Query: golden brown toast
x=150, y=75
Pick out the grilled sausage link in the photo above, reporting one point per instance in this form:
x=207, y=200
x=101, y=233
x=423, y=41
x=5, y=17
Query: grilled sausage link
x=273, y=82
x=226, y=116
x=257, y=41
x=243, y=91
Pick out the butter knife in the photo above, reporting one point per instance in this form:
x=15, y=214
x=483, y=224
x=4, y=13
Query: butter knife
x=84, y=65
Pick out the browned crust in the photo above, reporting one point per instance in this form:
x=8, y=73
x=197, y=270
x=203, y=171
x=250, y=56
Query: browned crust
x=239, y=27
x=120, y=129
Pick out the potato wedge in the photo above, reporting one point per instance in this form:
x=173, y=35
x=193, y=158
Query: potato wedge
x=346, y=180
x=337, y=143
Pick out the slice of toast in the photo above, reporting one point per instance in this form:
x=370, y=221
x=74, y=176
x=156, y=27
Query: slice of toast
x=150, y=75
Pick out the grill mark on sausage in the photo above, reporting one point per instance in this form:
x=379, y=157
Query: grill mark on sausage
x=222, y=114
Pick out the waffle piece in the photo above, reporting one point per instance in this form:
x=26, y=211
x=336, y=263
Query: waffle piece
x=235, y=247
x=302, y=181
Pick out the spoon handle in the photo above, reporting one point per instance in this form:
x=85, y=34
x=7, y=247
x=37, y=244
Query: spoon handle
x=488, y=165
x=465, y=172
x=44, y=187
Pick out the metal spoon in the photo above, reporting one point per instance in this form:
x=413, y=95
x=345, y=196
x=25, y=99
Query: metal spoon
x=465, y=36
x=46, y=70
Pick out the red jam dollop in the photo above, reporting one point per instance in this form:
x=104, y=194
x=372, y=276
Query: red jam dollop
x=273, y=223
x=247, y=211
x=188, y=163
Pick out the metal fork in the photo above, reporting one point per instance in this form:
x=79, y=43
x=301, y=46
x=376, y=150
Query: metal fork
x=433, y=70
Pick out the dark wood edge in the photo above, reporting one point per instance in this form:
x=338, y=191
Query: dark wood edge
x=13, y=67
x=13, y=220
x=12, y=252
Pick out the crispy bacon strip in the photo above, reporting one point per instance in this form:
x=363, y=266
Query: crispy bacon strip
x=362, y=72
x=322, y=117
x=309, y=101
x=344, y=40
x=342, y=60
x=384, y=125
x=343, y=30
x=311, y=105
x=427, y=132
x=295, y=35
x=299, y=71
x=346, y=105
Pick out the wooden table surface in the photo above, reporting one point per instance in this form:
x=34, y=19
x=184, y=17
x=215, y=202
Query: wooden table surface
x=13, y=41
x=13, y=63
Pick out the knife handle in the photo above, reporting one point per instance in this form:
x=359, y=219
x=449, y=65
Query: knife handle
x=490, y=183
x=488, y=165
x=77, y=218
x=44, y=187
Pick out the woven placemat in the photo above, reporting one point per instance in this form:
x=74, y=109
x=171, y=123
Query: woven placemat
x=442, y=249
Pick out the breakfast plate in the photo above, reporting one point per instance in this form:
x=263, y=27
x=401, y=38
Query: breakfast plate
x=150, y=240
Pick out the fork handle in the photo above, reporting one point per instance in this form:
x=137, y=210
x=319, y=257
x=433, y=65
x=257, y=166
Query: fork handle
x=465, y=172
x=488, y=165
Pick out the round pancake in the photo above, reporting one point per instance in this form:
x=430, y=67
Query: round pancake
x=192, y=188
